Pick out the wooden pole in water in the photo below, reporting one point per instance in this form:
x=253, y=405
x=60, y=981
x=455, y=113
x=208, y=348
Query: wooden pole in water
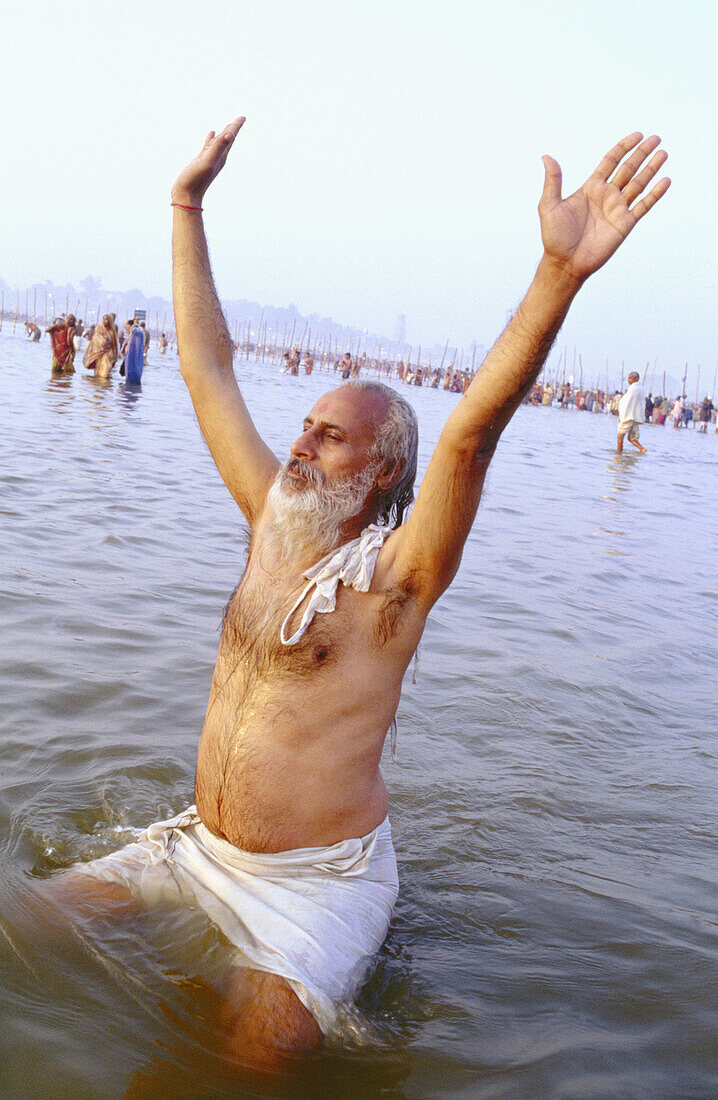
x=664, y=385
x=580, y=381
x=67, y=302
x=685, y=375
x=715, y=378
x=17, y=310
x=446, y=348
x=34, y=305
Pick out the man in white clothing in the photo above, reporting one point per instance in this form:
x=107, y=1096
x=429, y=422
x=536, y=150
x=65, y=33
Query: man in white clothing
x=290, y=805
x=631, y=410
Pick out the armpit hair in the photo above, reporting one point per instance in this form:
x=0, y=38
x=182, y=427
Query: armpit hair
x=395, y=601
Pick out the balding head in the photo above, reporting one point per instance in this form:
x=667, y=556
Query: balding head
x=396, y=444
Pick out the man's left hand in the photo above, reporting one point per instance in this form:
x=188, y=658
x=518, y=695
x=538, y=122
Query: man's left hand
x=583, y=231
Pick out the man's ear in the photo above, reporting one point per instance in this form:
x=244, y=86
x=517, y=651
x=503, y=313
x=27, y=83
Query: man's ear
x=390, y=475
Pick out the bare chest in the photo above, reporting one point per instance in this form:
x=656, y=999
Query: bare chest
x=359, y=626
x=253, y=619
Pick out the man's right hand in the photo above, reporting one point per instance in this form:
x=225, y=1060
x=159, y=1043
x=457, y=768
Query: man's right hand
x=192, y=182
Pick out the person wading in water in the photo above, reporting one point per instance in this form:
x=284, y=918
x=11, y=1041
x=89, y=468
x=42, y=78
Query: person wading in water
x=288, y=848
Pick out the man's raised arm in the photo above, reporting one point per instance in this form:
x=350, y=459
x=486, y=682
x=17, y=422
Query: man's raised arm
x=245, y=462
x=579, y=233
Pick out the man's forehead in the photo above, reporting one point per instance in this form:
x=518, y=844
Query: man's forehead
x=349, y=406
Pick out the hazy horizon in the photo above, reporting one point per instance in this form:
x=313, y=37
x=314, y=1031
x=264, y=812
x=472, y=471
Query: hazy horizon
x=390, y=163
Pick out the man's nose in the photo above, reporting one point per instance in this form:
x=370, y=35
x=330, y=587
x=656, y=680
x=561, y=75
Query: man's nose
x=304, y=446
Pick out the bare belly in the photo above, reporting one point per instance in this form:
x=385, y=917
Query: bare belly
x=291, y=777
x=267, y=807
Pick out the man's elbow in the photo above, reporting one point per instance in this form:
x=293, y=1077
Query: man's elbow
x=205, y=361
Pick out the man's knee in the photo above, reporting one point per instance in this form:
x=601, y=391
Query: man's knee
x=265, y=1022
x=77, y=893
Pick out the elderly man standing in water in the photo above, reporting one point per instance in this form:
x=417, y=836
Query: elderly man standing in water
x=631, y=412
x=288, y=848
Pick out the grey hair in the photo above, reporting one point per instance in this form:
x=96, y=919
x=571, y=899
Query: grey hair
x=396, y=442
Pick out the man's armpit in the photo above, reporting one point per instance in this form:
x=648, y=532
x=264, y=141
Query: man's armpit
x=397, y=601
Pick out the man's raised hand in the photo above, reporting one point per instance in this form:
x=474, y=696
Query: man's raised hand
x=581, y=232
x=193, y=181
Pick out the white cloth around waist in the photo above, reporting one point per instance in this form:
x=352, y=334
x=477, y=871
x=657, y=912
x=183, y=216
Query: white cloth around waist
x=314, y=916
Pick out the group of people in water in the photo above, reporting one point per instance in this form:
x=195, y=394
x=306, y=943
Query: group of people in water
x=657, y=410
x=351, y=366
x=106, y=344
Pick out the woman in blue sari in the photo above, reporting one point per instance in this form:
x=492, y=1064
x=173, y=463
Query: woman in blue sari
x=135, y=357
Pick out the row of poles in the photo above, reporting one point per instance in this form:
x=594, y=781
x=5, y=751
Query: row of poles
x=646, y=379
x=48, y=311
x=327, y=348
x=323, y=349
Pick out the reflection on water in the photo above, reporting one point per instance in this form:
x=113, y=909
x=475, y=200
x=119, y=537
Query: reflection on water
x=130, y=392
x=622, y=471
x=553, y=803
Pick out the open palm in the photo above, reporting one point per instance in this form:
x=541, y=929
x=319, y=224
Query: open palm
x=582, y=231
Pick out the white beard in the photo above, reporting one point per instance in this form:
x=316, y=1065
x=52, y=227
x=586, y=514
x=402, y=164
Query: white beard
x=311, y=518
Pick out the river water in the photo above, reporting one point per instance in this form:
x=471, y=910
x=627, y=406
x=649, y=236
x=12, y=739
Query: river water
x=553, y=799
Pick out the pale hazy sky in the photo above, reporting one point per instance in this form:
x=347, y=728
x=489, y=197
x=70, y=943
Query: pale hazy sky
x=390, y=162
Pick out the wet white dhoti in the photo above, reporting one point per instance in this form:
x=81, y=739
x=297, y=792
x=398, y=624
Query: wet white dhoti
x=314, y=916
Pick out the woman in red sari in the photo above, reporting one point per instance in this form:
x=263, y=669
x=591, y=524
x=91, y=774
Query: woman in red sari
x=62, y=334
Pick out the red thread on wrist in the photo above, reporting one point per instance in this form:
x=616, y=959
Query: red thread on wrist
x=183, y=207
